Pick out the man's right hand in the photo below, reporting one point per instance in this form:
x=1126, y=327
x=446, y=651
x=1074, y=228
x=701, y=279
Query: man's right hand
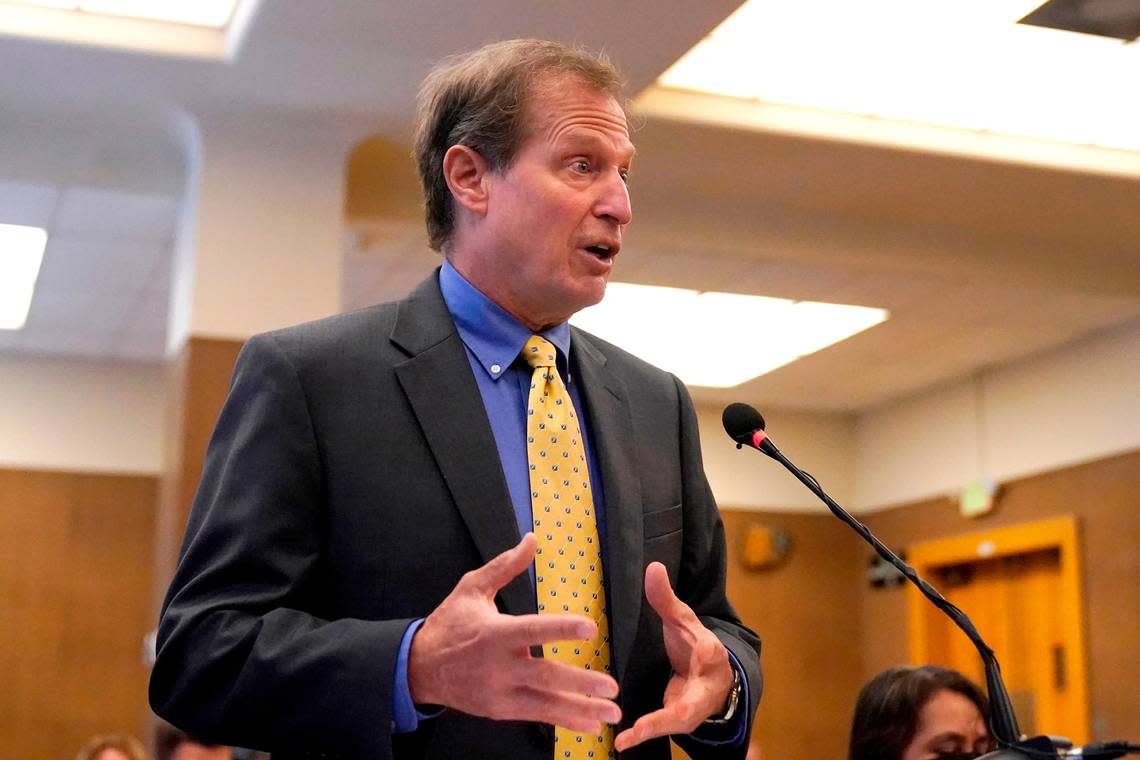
x=470, y=657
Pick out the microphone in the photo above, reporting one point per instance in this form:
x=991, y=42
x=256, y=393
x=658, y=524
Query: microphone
x=745, y=426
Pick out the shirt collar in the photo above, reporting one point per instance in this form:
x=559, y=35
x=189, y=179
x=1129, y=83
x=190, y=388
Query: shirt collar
x=493, y=334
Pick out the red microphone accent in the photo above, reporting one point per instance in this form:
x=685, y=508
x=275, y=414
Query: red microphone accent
x=758, y=437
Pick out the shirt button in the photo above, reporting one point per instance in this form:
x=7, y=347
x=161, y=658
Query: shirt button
x=496, y=369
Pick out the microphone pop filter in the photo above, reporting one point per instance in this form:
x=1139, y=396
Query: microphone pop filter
x=741, y=421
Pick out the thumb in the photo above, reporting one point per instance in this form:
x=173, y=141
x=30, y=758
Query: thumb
x=497, y=573
x=660, y=593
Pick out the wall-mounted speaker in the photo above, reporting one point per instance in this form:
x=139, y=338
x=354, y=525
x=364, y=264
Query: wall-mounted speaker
x=764, y=546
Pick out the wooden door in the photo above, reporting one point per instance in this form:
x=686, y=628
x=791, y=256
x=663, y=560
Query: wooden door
x=1021, y=587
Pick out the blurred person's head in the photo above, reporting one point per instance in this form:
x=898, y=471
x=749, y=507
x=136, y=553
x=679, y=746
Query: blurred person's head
x=919, y=713
x=171, y=743
x=112, y=747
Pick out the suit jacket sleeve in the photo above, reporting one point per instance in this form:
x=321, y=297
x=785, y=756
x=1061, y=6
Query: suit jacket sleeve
x=244, y=656
x=701, y=580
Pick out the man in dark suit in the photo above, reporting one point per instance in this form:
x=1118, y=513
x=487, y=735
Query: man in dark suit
x=358, y=574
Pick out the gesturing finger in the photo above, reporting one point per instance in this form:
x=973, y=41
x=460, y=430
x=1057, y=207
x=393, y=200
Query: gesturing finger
x=488, y=579
x=528, y=630
x=549, y=675
x=573, y=711
x=664, y=722
x=661, y=597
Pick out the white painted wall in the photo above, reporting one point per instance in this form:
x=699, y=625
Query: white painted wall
x=1073, y=405
x=260, y=248
x=81, y=416
x=269, y=224
x=746, y=479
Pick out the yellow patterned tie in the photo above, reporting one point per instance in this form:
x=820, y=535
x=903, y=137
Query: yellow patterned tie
x=568, y=562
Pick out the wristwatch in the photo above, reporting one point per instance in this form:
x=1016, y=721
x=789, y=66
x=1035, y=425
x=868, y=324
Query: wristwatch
x=733, y=700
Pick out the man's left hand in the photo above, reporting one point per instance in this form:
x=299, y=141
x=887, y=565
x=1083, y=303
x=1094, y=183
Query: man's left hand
x=702, y=673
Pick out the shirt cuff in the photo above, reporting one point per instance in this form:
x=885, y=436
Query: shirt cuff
x=405, y=717
x=729, y=734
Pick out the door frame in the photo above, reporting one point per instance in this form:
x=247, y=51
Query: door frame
x=1060, y=533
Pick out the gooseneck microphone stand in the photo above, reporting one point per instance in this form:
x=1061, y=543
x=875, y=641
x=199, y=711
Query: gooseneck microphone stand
x=745, y=425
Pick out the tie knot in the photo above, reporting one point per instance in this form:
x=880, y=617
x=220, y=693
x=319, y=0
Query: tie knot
x=539, y=352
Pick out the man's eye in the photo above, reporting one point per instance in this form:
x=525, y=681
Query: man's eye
x=581, y=166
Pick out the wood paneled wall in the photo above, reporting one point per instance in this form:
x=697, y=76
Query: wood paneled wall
x=807, y=613
x=826, y=631
x=1105, y=497
x=75, y=584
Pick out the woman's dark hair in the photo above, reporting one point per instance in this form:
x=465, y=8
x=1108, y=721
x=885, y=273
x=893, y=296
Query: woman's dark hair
x=886, y=713
x=167, y=740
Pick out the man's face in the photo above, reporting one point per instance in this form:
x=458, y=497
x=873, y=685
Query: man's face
x=948, y=723
x=555, y=217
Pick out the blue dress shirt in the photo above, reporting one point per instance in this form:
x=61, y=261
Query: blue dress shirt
x=494, y=339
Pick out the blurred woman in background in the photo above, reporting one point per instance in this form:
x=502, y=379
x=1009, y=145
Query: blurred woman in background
x=113, y=747
x=920, y=713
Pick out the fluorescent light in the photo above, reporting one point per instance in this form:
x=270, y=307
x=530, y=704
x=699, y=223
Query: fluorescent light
x=963, y=64
x=202, y=29
x=21, y=251
x=210, y=13
x=719, y=339
x=213, y=13
x=66, y=4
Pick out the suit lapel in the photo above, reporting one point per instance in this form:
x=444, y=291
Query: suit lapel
x=445, y=398
x=611, y=431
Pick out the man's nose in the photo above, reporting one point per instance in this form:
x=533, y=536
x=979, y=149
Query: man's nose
x=614, y=200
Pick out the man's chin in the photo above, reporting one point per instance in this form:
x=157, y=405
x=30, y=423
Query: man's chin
x=593, y=295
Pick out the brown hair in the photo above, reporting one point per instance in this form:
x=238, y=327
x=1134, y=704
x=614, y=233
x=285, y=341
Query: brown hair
x=887, y=710
x=128, y=745
x=479, y=99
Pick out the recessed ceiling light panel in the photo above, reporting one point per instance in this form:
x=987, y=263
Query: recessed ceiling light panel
x=21, y=252
x=211, y=13
x=211, y=29
x=960, y=64
x=719, y=340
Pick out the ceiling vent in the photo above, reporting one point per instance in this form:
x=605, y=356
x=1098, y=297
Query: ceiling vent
x=1119, y=19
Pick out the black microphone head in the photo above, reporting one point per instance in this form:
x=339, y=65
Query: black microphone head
x=741, y=421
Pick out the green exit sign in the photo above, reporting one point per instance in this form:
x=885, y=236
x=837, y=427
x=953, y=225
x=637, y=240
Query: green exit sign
x=977, y=497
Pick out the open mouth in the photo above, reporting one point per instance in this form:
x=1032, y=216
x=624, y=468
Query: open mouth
x=604, y=252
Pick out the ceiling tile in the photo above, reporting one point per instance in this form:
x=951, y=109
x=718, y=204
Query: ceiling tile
x=145, y=347
x=27, y=203
x=149, y=311
x=76, y=309
x=113, y=213
x=73, y=261
x=10, y=339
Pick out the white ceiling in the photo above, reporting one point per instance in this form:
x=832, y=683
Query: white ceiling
x=980, y=262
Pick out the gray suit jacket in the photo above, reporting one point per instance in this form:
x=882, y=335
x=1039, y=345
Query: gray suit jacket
x=351, y=480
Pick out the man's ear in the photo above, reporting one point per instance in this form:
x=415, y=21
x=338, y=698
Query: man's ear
x=465, y=172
